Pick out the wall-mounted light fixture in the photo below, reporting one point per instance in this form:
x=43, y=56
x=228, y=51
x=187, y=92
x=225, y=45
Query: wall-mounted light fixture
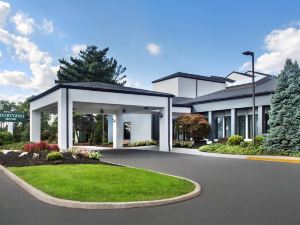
x=160, y=115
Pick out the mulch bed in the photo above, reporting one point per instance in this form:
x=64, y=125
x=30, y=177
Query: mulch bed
x=11, y=159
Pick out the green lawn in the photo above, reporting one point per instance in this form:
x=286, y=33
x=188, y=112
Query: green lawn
x=102, y=183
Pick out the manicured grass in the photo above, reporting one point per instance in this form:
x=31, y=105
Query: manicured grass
x=102, y=183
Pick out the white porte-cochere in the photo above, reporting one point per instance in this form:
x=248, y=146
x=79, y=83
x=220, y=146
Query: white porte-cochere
x=94, y=97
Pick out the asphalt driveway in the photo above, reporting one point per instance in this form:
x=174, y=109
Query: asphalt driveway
x=235, y=191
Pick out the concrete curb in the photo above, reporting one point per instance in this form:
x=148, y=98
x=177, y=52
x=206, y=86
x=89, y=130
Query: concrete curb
x=100, y=205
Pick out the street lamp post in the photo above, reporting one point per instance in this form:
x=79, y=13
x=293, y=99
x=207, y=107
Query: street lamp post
x=253, y=94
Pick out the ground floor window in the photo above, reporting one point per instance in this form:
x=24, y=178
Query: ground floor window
x=218, y=127
x=127, y=130
x=266, y=126
x=227, y=126
x=241, y=125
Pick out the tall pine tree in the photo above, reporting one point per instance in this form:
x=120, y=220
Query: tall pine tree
x=284, y=119
x=91, y=65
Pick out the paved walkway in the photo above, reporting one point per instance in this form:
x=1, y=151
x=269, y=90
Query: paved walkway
x=235, y=192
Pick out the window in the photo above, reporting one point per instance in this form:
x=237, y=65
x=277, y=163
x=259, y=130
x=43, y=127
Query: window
x=127, y=130
x=227, y=126
x=266, y=126
x=218, y=127
x=241, y=125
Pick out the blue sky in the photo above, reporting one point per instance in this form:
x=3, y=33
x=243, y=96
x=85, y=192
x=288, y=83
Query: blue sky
x=201, y=37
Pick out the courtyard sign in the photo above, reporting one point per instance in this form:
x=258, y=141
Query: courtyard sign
x=12, y=117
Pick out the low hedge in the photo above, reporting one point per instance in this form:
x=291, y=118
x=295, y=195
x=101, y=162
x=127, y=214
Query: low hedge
x=40, y=146
x=232, y=149
x=142, y=143
x=183, y=144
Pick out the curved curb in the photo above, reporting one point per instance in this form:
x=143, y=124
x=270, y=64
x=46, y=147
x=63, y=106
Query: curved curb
x=100, y=205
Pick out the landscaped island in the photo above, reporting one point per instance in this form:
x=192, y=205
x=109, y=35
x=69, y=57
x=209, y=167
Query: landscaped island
x=102, y=183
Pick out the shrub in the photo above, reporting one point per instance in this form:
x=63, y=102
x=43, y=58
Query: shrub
x=245, y=144
x=45, y=135
x=53, y=156
x=94, y=155
x=40, y=146
x=142, y=143
x=183, y=144
x=210, y=148
x=53, y=148
x=235, y=140
x=52, y=138
x=231, y=149
x=6, y=138
x=223, y=140
x=14, y=146
x=259, y=140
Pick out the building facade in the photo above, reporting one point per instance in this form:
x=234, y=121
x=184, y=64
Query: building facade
x=138, y=115
x=225, y=102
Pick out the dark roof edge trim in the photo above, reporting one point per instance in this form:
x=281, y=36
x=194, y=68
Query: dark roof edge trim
x=234, y=97
x=216, y=80
x=182, y=105
x=98, y=89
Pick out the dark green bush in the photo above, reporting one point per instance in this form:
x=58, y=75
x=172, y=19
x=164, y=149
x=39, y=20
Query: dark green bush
x=231, y=149
x=13, y=146
x=53, y=156
x=235, y=140
x=6, y=138
x=183, y=144
x=259, y=140
x=245, y=144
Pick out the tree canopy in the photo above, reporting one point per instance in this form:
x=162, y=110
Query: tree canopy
x=193, y=124
x=91, y=65
x=284, y=119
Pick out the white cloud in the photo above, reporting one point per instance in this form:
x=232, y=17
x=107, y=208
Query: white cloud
x=24, y=23
x=132, y=83
x=23, y=49
x=48, y=26
x=153, y=49
x=13, y=98
x=280, y=44
x=76, y=48
x=4, y=10
x=40, y=63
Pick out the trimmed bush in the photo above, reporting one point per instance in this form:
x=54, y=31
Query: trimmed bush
x=235, y=140
x=183, y=144
x=259, y=140
x=53, y=148
x=6, y=138
x=231, y=149
x=53, y=156
x=245, y=144
x=95, y=155
x=142, y=143
x=40, y=146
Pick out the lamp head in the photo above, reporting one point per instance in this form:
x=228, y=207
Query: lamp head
x=248, y=53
